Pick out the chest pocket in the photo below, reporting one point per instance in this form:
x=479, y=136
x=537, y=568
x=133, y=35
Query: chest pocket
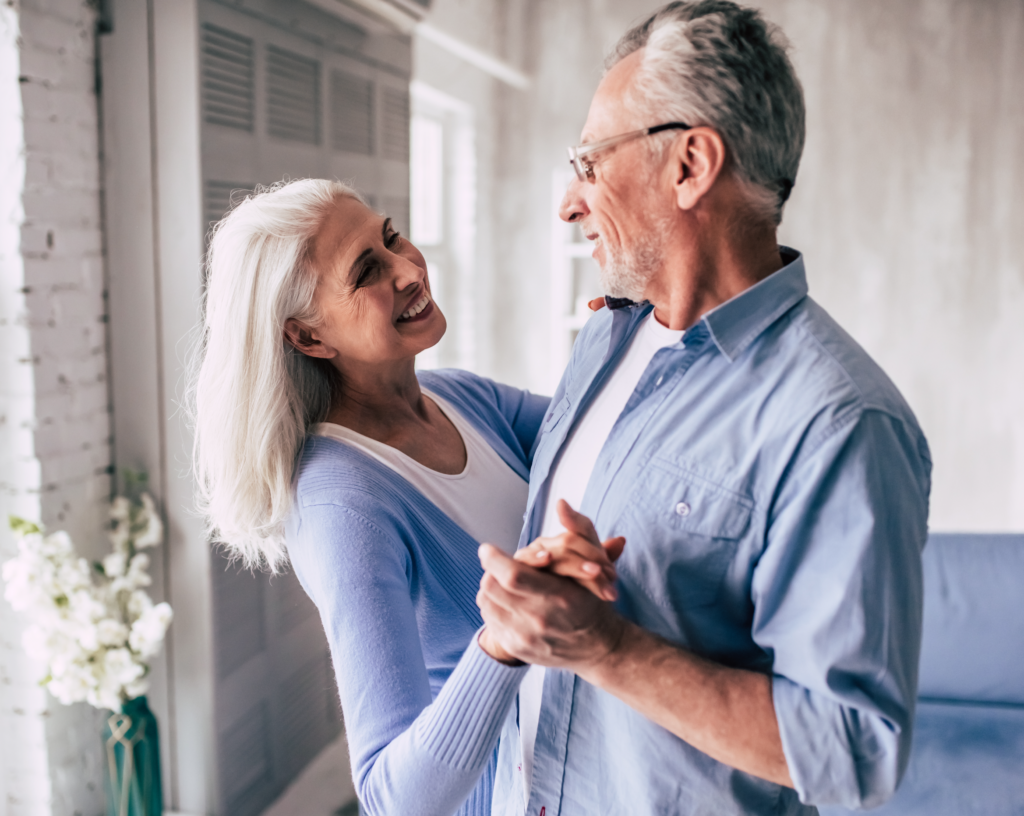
x=682, y=533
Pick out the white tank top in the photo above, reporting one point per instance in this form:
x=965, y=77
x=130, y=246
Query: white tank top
x=487, y=499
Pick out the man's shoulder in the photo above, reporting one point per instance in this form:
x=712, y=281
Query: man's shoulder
x=829, y=365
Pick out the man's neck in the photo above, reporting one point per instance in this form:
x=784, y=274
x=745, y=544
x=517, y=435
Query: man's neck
x=699, y=275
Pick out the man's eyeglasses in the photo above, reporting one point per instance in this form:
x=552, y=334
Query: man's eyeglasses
x=584, y=166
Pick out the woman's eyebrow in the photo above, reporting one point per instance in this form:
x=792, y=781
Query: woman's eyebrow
x=358, y=262
x=354, y=269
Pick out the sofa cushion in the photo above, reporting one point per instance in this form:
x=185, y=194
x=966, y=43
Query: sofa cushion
x=973, y=646
x=967, y=760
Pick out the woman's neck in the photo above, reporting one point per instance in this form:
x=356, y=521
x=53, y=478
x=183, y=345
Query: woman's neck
x=372, y=399
x=385, y=403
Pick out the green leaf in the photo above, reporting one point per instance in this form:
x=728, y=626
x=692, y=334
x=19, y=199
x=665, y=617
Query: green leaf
x=22, y=527
x=135, y=482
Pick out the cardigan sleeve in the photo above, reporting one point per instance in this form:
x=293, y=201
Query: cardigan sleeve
x=524, y=411
x=409, y=755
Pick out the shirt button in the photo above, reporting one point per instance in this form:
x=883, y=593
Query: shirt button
x=658, y=382
x=682, y=509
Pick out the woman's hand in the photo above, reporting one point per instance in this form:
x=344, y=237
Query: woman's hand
x=577, y=553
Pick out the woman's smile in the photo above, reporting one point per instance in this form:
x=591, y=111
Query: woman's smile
x=420, y=310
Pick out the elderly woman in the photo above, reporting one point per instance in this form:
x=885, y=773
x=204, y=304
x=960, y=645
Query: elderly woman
x=317, y=441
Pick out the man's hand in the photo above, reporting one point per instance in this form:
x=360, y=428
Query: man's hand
x=542, y=618
x=577, y=554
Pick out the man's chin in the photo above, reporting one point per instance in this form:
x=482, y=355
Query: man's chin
x=622, y=283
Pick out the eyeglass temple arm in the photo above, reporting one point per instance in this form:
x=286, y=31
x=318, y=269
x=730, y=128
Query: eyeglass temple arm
x=668, y=126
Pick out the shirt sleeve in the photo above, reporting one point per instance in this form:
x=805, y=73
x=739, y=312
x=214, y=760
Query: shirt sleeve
x=838, y=604
x=409, y=755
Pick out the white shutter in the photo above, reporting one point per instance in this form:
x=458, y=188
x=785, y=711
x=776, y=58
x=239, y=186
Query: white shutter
x=288, y=91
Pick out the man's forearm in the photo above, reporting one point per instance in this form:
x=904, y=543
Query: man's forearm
x=726, y=713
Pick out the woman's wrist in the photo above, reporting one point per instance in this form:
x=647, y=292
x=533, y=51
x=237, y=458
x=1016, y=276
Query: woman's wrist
x=491, y=648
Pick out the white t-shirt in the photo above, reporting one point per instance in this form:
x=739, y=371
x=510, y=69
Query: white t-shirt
x=569, y=482
x=486, y=500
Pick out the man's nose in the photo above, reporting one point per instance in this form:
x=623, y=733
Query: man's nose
x=573, y=207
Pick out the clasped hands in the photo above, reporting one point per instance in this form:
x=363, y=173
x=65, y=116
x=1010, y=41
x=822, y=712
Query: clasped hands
x=549, y=604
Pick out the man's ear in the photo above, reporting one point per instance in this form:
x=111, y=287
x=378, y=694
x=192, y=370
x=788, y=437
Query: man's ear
x=698, y=158
x=305, y=339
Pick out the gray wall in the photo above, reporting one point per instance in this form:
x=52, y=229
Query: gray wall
x=908, y=208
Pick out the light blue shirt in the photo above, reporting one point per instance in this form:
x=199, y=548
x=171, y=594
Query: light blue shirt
x=772, y=486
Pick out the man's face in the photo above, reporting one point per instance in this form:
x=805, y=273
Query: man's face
x=621, y=209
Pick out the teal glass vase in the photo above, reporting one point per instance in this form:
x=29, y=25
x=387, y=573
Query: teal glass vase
x=132, y=745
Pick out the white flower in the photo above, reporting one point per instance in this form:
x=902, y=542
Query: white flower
x=95, y=632
x=138, y=604
x=57, y=545
x=148, y=631
x=121, y=509
x=154, y=533
x=137, y=576
x=137, y=688
x=111, y=632
x=75, y=683
x=114, y=565
x=38, y=642
x=116, y=670
x=24, y=588
x=120, y=536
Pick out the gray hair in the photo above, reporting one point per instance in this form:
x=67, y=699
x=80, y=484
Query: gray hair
x=253, y=396
x=715, y=63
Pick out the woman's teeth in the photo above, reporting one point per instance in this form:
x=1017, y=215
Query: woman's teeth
x=415, y=310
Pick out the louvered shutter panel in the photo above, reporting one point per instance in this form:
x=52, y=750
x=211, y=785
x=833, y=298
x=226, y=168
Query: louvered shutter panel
x=227, y=78
x=221, y=196
x=352, y=113
x=397, y=208
x=395, y=110
x=246, y=763
x=293, y=96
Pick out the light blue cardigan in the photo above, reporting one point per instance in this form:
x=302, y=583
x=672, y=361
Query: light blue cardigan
x=395, y=580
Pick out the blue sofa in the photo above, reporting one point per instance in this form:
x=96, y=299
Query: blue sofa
x=968, y=753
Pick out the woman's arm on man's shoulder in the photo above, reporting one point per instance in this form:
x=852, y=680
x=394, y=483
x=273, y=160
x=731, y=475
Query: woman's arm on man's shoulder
x=523, y=410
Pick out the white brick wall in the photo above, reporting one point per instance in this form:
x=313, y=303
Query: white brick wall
x=55, y=447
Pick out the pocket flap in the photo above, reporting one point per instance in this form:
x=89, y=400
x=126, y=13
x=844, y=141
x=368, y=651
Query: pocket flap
x=691, y=504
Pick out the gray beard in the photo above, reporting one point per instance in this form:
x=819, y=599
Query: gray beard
x=626, y=273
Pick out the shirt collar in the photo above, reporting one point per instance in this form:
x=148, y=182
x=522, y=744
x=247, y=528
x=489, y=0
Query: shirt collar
x=735, y=324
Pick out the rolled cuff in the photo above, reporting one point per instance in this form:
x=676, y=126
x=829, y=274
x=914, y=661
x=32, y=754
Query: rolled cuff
x=838, y=755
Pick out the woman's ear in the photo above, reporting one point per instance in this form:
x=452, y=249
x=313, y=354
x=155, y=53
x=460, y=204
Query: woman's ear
x=698, y=161
x=303, y=338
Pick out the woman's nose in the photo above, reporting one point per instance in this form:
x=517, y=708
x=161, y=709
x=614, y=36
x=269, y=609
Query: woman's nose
x=406, y=273
x=573, y=206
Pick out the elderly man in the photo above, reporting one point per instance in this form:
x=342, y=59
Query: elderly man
x=770, y=481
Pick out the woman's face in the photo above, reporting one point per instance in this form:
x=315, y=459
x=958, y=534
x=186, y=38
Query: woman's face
x=373, y=294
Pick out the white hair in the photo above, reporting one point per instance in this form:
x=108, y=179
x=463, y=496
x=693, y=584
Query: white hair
x=253, y=396
x=715, y=63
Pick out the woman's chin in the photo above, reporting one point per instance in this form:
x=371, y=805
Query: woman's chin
x=430, y=331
